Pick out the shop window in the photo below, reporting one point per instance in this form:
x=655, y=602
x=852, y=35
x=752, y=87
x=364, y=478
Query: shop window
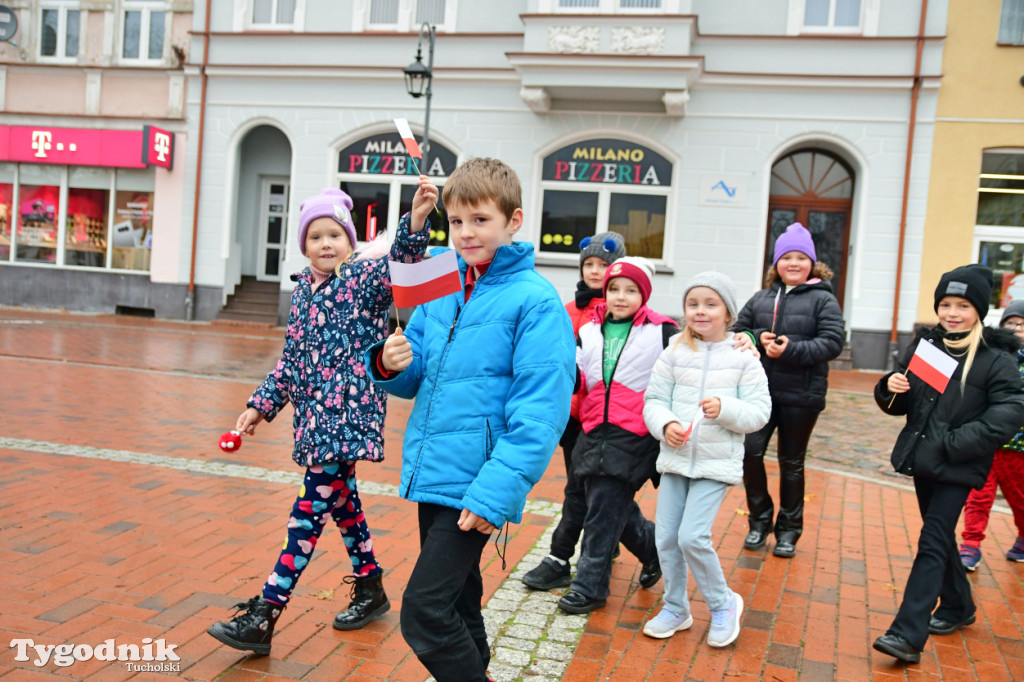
x=1001, y=188
x=1011, y=23
x=143, y=28
x=381, y=179
x=59, y=30
x=38, y=204
x=131, y=235
x=605, y=184
x=86, y=223
x=7, y=171
x=407, y=15
x=272, y=13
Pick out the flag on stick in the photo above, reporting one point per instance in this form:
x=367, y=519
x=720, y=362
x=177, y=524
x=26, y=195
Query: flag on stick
x=416, y=283
x=405, y=132
x=932, y=365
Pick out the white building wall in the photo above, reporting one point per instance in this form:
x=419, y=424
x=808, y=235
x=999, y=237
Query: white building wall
x=739, y=119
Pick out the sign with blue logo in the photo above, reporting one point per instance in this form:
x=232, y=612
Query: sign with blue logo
x=723, y=190
x=8, y=23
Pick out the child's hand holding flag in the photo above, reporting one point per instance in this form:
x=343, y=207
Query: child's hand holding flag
x=424, y=199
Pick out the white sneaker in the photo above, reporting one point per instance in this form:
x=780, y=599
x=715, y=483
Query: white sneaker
x=725, y=623
x=666, y=624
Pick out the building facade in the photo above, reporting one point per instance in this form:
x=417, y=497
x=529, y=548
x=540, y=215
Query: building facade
x=976, y=205
x=696, y=128
x=92, y=147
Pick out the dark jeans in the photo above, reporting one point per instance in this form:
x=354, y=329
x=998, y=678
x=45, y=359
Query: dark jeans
x=441, y=620
x=612, y=517
x=937, y=574
x=574, y=503
x=795, y=425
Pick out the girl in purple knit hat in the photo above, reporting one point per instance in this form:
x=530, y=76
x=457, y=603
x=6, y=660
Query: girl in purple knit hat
x=339, y=309
x=798, y=327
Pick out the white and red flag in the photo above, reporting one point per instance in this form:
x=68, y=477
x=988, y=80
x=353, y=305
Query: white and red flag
x=416, y=283
x=932, y=366
x=405, y=132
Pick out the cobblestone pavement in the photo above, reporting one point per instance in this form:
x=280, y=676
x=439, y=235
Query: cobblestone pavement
x=120, y=518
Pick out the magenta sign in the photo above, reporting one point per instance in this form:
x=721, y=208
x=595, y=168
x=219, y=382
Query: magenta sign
x=73, y=146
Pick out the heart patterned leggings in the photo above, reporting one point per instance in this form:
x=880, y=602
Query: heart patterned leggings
x=328, y=490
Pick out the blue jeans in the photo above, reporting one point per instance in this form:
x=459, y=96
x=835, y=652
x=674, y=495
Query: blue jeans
x=686, y=510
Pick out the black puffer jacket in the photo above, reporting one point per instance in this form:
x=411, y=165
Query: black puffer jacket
x=810, y=317
x=951, y=437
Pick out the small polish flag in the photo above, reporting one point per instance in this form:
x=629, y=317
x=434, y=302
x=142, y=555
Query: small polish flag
x=932, y=365
x=405, y=132
x=416, y=283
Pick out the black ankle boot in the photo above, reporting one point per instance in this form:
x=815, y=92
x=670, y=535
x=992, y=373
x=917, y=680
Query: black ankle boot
x=369, y=602
x=252, y=628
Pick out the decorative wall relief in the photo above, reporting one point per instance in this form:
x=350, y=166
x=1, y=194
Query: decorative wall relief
x=573, y=38
x=638, y=39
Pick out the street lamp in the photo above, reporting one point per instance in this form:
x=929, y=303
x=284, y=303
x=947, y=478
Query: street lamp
x=418, y=79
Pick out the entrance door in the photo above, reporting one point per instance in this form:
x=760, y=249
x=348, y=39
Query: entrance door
x=273, y=228
x=814, y=188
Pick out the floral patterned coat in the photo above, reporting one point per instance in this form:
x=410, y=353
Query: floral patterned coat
x=339, y=411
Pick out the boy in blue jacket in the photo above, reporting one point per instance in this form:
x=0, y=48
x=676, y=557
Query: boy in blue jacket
x=492, y=370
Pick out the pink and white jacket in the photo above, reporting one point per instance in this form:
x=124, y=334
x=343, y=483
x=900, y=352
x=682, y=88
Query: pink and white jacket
x=615, y=441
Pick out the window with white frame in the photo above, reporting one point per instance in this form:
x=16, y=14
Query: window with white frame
x=609, y=6
x=600, y=185
x=999, y=224
x=272, y=13
x=143, y=28
x=859, y=17
x=405, y=15
x=59, y=30
x=1011, y=23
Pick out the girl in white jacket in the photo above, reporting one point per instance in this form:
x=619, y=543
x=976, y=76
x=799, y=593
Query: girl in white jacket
x=702, y=398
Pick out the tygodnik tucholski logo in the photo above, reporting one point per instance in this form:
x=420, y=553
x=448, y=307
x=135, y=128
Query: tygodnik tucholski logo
x=149, y=656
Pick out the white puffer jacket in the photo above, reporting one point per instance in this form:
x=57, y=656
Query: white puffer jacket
x=680, y=379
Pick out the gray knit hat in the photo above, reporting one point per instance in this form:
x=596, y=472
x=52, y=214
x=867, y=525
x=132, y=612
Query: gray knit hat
x=607, y=246
x=722, y=286
x=1015, y=309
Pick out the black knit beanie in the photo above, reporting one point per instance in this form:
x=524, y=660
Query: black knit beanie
x=973, y=282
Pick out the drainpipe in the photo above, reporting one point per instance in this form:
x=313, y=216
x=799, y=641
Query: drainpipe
x=190, y=297
x=915, y=91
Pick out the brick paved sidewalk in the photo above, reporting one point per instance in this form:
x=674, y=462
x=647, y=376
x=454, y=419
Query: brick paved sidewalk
x=119, y=518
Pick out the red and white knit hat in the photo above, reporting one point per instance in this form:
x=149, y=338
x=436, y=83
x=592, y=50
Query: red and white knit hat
x=638, y=269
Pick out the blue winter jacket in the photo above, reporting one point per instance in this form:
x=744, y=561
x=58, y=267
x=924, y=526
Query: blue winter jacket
x=492, y=377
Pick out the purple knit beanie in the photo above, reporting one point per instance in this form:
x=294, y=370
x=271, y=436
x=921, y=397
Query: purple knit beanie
x=795, y=238
x=330, y=203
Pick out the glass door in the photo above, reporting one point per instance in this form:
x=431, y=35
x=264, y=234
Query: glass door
x=273, y=228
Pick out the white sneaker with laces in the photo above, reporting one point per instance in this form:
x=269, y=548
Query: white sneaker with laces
x=725, y=623
x=666, y=624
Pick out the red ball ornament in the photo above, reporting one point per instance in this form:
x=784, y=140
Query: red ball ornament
x=231, y=441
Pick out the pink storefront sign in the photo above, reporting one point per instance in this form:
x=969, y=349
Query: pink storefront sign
x=75, y=146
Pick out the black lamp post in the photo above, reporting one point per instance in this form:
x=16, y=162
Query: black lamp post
x=418, y=79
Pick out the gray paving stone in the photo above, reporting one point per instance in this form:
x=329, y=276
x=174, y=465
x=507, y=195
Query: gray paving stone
x=520, y=659
x=553, y=651
x=515, y=643
x=525, y=632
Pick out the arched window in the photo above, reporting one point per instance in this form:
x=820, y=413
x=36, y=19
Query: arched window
x=605, y=184
x=381, y=178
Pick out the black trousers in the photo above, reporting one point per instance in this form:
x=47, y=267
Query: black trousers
x=574, y=502
x=795, y=425
x=441, y=619
x=937, y=574
x=612, y=517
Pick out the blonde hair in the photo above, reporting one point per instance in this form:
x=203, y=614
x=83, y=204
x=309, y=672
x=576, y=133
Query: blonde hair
x=690, y=337
x=478, y=180
x=971, y=341
x=820, y=270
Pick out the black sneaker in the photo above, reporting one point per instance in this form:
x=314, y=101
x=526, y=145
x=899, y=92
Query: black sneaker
x=650, y=574
x=577, y=602
x=548, y=575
